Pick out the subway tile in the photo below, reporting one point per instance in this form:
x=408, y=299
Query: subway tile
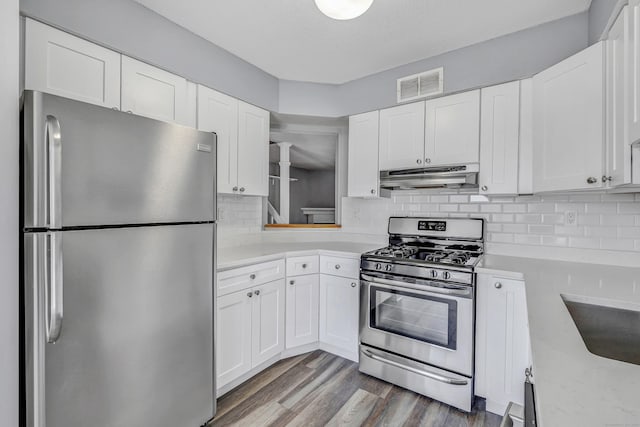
x=541, y=207
x=556, y=219
x=458, y=215
x=541, y=229
x=618, y=197
x=430, y=207
x=637, y=245
x=629, y=208
x=564, y=207
x=501, y=199
x=448, y=208
x=629, y=232
x=501, y=238
x=515, y=208
x=584, y=243
x=588, y=219
x=439, y=199
x=627, y=220
x=585, y=198
x=502, y=217
x=469, y=208
x=569, y=230
x=478, y=198
x=529, y=218
x=527, y=239
x=420, y=199
x=493, y=227
x=601, y=231
x=617, y=244
x=601, y=208
x=555, y=198
x=528, y=199
x=554, y=241
x=515, y=228
x=458, y=199
x=491, y=207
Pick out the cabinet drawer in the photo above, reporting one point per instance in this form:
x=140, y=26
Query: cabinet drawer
x=338, y=266
x=303, y=265
x=246, y=277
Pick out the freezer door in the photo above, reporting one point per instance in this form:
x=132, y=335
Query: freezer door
x=135, y=346
x=86, y=165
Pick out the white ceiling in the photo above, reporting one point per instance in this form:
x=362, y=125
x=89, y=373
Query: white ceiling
x=293, y=40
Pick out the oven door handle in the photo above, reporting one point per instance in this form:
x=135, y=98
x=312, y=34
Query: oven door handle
x=463, y=291
x=432, y=375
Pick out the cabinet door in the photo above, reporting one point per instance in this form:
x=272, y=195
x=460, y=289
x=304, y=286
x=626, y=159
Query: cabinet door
x=452, y=129
x=402, y=136
x=507, y=343
x=339, y=305
x=64, y=65
x=499, y=138
x=633, y=75
x=363, y=155
x=253, y=150
x=219, y=113
x=267, y=318
x=233, y=337
x=618, y=146
x=568, y=117
x=151, y=92
x=303, y=295
x=525, y=149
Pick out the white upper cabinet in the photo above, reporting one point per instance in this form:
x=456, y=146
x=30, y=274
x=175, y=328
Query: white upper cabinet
x=452, y=129
x=402, y=136
x=633, y=76
x=64, y=65
x=253, y=150
x=363, y=172
x=218, y=113
x=618, y=145
x=499, y=139
x=525, y=149
x=568, y=127
x=152, y=92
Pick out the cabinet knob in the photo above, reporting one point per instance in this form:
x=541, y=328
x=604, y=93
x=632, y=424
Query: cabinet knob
x=498, y=285
x=304, y=265
x=242, y=189
x=592, y=180
x=337, y=266
x=235, y=188
x=373, y=191
x=292, y=282
x=129, y=112
x=257, y=292
x=607, y=178
x=419, y=161
x=427, y=160
x=252, y=277
x=353, y=285
x=485, y=188
x=250, y=294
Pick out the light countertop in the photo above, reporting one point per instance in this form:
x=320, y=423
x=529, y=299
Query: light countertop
x=243, y=255
x=573, y=386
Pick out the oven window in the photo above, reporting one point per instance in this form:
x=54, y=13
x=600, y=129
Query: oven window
x=413, y=315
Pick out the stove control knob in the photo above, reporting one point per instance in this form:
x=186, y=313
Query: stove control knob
x=388, y=267
x=446, y=275
x=434, y=273
x=378, y=266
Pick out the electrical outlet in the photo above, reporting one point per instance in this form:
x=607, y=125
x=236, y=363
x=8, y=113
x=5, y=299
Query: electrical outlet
x=571, y=218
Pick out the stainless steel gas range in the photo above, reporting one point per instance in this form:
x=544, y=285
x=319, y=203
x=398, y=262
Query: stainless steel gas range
x=417, y=307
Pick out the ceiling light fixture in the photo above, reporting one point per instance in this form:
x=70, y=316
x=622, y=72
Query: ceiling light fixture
x=343, y=9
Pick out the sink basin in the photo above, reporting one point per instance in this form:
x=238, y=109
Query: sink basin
x=607, y=331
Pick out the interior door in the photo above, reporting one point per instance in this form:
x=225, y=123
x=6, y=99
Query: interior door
x=135, y=346
x=114, y=168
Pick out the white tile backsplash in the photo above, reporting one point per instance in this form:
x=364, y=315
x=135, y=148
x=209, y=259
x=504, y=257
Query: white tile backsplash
x=604, y=221
x=238, y=216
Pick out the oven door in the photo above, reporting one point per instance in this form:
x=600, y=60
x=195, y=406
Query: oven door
x=428, y=321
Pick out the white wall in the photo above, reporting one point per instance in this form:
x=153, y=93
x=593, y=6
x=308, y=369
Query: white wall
x=9, y=42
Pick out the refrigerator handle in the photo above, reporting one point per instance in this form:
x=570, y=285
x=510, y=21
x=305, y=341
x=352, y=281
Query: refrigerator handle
x=54, y=286
x=54, y=151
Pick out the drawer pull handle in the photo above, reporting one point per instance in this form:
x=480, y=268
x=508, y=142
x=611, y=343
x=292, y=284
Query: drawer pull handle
x=252, y=277
x=257, y=292
x=250, y=294
x=292, y=282
x=337, y=266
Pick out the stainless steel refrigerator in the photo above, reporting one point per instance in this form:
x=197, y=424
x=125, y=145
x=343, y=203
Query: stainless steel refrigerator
x=118, y=279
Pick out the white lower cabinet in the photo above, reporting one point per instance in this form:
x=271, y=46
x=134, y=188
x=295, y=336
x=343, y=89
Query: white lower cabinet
x=302, y=308
x=249, y=329
x=339, y=307
x=502, y=341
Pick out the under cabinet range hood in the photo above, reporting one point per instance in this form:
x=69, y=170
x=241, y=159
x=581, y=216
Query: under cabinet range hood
x=454, y=176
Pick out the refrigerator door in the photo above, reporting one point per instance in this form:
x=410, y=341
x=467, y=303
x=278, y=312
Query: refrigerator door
x=135, y=346
x=86, y=165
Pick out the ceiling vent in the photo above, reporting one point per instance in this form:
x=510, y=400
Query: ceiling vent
x=421, y=85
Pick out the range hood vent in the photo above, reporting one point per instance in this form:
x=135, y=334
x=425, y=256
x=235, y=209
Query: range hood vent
x=455, y=176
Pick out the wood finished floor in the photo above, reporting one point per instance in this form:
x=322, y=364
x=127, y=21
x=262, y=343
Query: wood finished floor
x=320, y=389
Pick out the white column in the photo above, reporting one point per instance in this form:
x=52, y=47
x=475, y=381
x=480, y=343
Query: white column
x=285, y=164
